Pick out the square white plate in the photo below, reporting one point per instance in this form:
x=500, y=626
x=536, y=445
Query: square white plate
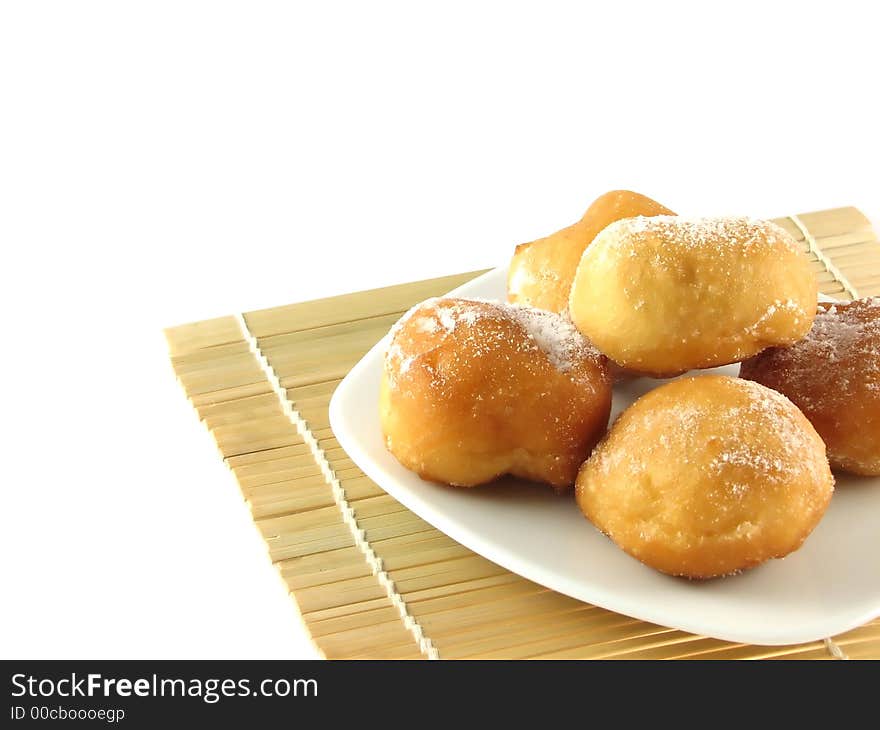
x=830, y=585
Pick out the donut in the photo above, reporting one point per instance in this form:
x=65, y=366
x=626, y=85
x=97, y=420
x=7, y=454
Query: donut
x=541, y=271
x=707, y=476
x=833, y=376
x=472, y=390
x=665, y=294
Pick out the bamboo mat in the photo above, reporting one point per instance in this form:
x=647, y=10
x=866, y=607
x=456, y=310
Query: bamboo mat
x=371, y=579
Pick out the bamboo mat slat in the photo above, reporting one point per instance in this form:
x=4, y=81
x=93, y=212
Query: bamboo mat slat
x=373, y=580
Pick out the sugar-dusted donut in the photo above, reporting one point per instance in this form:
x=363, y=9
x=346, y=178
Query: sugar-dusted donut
x=472, y=390
x=707, y=476
x=666, y=294
x=541, y=271
x=833, y=376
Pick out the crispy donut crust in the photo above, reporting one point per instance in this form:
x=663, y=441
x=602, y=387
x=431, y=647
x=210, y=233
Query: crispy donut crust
x=472, y=390
x=664, y=295
x=833, y=376
x=542, y=271
x=707, y=476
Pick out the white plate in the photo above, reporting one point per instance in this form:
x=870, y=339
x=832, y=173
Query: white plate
x=830, y=585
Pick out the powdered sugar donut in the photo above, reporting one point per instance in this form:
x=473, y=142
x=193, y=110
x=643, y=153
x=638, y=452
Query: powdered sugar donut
x=707, y=476
x=833, y=376
x=541, y=272
x=665, y=294
x=472, y=390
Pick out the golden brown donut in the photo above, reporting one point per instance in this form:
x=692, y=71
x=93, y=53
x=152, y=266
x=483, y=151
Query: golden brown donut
x=833, y=376
x=707, y=476
x=472, y=390
x=541, y=271
x=666, y=294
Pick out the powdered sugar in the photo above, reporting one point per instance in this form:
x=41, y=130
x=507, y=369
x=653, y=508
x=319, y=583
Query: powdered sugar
x=839, y=356
x=753, y=431
x=765, y=412
x=474, y=389
x=447, y=318
x=833, y=376
x=778, y=305
x=756, y=460
x=425, y=324
x=551, y=333
x=666, y=294
x=742, y=232
x=706, y=475
x=554, y=334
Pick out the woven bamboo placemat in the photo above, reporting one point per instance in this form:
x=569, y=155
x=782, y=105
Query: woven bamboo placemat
x=371, y=579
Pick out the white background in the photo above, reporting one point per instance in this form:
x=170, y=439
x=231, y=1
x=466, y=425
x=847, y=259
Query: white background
x=162, y=162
